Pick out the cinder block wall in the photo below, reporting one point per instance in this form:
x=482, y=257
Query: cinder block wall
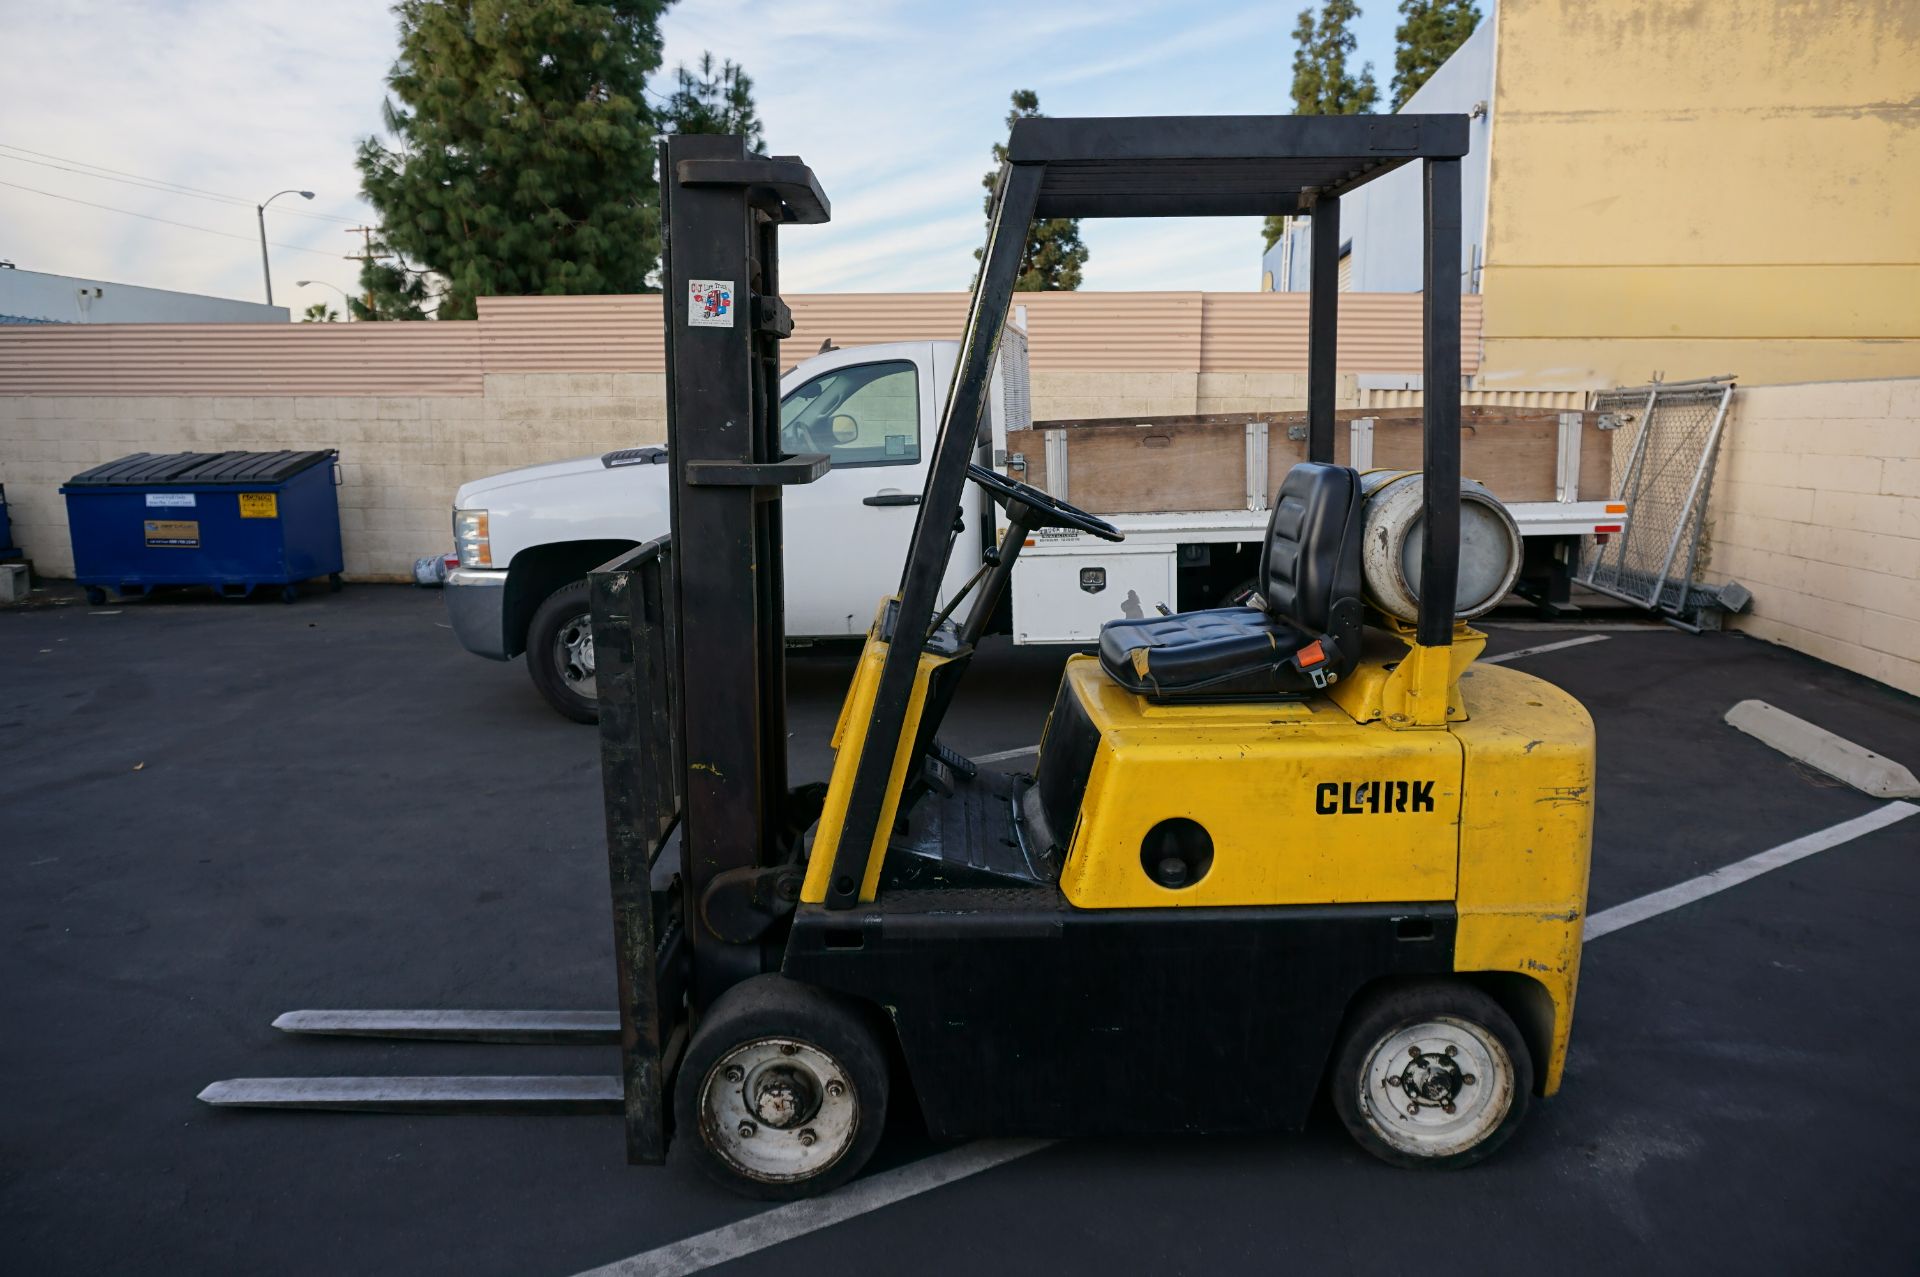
x=1816, y=509
x=401, y=457
x=418, y=409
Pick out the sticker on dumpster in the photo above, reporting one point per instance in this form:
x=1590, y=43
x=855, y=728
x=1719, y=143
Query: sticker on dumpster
x=183, y=533
x=169, y=498
x=710, y=303
x=259, y=505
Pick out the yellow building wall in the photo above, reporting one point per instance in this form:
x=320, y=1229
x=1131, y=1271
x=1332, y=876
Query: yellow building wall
x=1691, y=189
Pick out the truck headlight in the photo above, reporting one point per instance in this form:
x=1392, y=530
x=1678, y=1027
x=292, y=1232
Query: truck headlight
x=470, y=539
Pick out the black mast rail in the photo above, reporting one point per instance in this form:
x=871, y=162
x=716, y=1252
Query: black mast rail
x=724, y=322
x=1167, y=167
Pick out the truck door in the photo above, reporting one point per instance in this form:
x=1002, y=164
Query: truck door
x=873, y=410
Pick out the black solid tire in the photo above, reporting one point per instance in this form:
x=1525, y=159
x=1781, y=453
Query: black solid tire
x=774, y=1006
x=1402, y=1007
x=559, y=609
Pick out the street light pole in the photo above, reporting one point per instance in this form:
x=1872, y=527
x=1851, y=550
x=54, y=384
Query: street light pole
x=260, y=211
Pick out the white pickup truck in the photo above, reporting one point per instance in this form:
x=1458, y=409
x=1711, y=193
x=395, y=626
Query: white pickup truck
x=527, y=538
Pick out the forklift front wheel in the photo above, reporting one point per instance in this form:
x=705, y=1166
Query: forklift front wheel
x=1432, y=1075
x=787, y=1086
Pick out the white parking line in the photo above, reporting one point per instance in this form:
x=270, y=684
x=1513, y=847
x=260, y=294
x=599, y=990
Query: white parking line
x=1005, y=754
x=1608, y=921
x=796, y=1219
x=1544, y=647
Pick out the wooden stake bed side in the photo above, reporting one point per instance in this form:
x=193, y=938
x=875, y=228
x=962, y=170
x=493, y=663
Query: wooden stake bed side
x=1151, y=465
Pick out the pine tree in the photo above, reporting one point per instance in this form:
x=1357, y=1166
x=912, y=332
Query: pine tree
x=1429, y=32
x=1321, y=82
x=398, y=291
x=1054, y=253
x=713, y=102
x=522, y=156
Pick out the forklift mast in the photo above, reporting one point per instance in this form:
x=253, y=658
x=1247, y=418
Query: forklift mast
x=689, y=630
x=723, y=209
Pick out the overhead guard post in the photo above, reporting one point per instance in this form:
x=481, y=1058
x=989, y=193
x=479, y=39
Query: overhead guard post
x=1440, y=399
x=1323, y=327
x=933, y=528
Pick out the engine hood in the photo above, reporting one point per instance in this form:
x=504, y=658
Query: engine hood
x=475, y=495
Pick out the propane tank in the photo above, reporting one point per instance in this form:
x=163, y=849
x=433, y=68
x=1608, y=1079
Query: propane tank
x=1490, y=545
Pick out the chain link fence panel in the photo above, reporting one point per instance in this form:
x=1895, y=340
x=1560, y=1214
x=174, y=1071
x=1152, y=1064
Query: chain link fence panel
x=1663, y=458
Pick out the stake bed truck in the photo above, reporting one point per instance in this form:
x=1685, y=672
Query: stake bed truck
x=1190, y=493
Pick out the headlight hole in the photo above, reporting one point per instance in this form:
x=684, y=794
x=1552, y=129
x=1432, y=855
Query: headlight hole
x=1177, y=853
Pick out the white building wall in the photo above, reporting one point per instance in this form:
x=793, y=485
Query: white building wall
x=1382, y=219
x=65, y=299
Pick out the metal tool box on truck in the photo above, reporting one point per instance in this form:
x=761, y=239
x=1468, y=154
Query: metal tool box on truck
x=231, y=520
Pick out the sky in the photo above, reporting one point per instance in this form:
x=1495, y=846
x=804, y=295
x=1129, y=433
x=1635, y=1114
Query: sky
x=894, y=103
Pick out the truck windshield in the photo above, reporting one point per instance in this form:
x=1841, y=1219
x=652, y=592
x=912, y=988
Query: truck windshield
x=862, y=415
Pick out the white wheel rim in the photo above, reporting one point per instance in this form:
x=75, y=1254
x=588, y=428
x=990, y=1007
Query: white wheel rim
x=778, y=1110
x=573, y=655
x=1436, y=1088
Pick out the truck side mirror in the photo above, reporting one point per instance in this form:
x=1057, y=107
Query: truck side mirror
x=845, y=428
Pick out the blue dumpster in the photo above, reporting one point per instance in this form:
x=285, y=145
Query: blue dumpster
x=231, y=520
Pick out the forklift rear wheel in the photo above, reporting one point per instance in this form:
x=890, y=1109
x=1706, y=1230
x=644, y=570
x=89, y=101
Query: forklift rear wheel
x=1432, y=1075
x=786, y=1085
x=560, y=653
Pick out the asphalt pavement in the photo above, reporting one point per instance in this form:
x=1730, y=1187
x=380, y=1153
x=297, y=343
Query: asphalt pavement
x=213, y=812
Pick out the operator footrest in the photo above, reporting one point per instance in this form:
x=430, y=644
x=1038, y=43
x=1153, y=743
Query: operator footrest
x=955, y=760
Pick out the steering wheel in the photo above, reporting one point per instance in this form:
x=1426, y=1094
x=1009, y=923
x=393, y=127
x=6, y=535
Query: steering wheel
x=1048, y=511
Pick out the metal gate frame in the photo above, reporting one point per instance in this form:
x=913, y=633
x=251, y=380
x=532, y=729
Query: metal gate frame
x=1629, y=567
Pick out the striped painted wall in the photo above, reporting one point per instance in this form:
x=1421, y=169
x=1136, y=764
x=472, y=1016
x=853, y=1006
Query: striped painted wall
x=1070, y=332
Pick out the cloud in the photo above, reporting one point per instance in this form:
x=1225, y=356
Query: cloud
x=895, y=103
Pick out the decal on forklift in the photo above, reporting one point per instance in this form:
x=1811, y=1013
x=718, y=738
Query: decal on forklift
x=1372, y=797
x=183, y=533
x=710, y=303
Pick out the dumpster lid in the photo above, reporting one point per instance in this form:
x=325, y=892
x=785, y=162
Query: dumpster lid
x=144, y=469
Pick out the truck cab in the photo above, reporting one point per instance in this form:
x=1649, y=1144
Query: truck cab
x=527, y=538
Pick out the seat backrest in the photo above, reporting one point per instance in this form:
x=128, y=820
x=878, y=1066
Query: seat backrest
x=1310, y=563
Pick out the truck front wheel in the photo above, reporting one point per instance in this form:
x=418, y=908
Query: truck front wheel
x=560, y=653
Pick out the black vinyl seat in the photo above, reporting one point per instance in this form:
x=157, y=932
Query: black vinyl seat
x=1306, y=634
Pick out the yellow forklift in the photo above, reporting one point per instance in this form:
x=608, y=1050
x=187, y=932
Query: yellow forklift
x=1264, y=849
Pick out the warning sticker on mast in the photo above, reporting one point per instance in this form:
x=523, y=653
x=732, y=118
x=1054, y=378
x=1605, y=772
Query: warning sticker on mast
x=710, y=303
